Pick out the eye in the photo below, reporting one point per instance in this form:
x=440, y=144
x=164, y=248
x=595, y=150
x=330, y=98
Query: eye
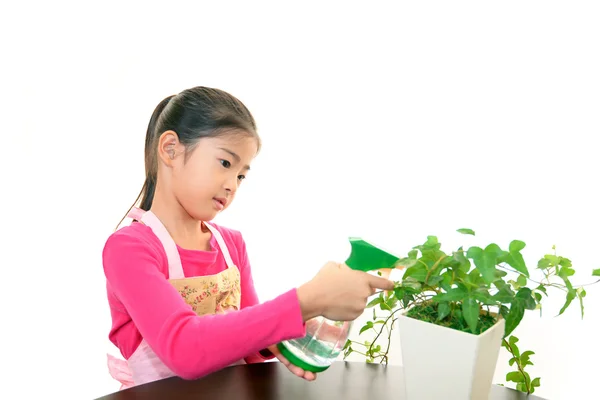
x=241, y=177
x=225, y=163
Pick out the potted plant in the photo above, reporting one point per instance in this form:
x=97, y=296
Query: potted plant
x=456, y=310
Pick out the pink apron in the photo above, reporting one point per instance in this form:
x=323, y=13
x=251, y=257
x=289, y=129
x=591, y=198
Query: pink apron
x=212, y=294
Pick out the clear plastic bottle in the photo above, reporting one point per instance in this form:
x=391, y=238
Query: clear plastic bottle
x=325, y=339
x=321, y=346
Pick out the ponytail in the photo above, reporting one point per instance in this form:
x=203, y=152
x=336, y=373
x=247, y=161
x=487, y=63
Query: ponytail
x=151, y=163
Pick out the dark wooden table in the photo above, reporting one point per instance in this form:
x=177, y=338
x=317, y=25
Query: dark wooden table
x=273, y=381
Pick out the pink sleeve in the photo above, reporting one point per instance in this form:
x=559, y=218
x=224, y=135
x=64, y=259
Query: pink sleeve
x=189, y=345
x=249, y=296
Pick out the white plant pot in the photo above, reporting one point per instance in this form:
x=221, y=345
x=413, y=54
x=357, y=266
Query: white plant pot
x=443, y=363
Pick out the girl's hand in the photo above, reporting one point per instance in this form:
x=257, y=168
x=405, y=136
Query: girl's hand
x=309, y=376
x=339, y=293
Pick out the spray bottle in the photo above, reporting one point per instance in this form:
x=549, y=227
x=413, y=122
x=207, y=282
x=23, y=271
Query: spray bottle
x=324, y=338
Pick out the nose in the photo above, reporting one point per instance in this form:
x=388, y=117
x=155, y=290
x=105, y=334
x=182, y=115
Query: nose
x=231, y=185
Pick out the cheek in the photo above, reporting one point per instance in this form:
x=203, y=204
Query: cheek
x=187, y=185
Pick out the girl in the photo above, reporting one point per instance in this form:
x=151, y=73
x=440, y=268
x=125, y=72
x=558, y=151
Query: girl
x=180, y=288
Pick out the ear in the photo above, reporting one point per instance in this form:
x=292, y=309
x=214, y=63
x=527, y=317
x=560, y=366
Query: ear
x=169, y=148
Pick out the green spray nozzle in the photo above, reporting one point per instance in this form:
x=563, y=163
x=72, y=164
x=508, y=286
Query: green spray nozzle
x=367, y=257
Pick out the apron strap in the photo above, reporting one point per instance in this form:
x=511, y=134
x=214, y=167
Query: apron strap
x=175, y=267
x=222, y=244
x=148, y=218
x=135, y=213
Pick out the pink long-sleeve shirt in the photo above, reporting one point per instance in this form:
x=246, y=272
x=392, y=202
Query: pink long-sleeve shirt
x=143, y=304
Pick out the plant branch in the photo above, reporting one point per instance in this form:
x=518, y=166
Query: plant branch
x=384, y=324
x=517, y=361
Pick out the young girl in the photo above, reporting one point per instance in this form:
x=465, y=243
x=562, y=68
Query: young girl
x=179, y=287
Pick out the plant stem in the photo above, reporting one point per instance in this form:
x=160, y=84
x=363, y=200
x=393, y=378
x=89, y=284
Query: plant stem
x=588, y=284
x=554, y=285
x=518, y=362
x=387, y=350
x=381, y=331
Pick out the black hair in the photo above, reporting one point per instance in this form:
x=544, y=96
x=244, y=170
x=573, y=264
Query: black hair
x=193, y=114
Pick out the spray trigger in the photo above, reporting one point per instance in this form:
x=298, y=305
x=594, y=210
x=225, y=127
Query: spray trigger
x=365, y=257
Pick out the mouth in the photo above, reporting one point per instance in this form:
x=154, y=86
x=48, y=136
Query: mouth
x=220, y=202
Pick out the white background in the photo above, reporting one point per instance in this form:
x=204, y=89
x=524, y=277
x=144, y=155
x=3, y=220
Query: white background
x=387, y=122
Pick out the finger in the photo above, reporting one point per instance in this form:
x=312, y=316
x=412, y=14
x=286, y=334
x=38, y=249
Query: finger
x=377, y=282
x=310, y=376
x=293, y=368
x=296, y=370
x=385, y=273
x=278, y=355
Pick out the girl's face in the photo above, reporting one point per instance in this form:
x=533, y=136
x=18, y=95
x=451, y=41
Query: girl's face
x=206, y=183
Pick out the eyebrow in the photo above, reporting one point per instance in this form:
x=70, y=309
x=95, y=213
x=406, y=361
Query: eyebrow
x=238, y=159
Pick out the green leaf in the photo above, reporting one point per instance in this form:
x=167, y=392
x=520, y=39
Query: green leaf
x=470, y=309
x=504, y=312
x=399, y=293
x=581, y=294
x=525, y=295
x=411, y=285
x=474, y=252
x=391, y=302
x=515, y=376
x=434, y=280
x=571, y=294
x=565, y=272
x=347, y=352
x=525, y=357
x=500, y=274
x=443, y=311
x=432, y=241
x=514, y=258
x=564, y=262
x=446, y=282
x=485, y=262
x=596, y=272
x=515, y=315
x=505, y=295
x=512, y=341
x=405, y=293
x=366, y=327
x=375, y=301
x=418, y=272
x=516, y=246
x=454, y=294
x=543, y=263
x=483, y=296
x=474, y=278
x=554, y=260
x=535, y=383
x=466, y=231
x=522, y=280
x=463, y=261
x=406, y=262
x=542, y=289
